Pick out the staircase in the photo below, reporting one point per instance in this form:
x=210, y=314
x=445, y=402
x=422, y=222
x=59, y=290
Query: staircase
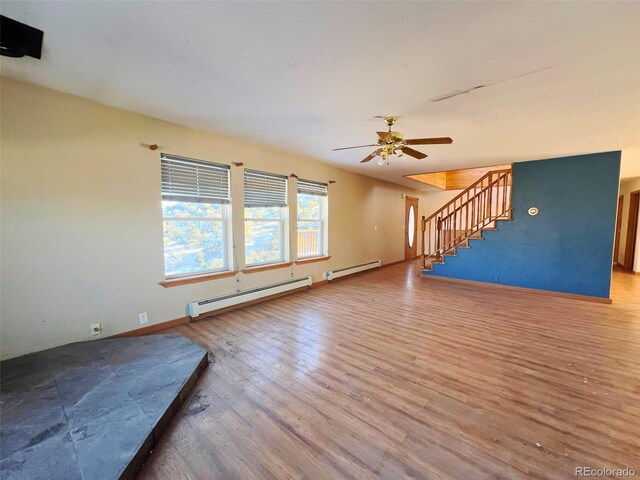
x=478, y=208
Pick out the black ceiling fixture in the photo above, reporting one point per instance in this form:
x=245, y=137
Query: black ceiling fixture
x=18, y=39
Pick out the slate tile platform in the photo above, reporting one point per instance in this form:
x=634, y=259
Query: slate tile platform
x=92, y=410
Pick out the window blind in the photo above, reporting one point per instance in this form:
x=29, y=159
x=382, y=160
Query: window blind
x=264, y=189
x=308, y=187
x=187, y=180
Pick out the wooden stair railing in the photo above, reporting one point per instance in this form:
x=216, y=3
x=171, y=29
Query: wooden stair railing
x=478, y=207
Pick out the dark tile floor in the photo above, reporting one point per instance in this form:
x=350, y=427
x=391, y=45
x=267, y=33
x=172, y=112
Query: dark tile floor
x=92, y=410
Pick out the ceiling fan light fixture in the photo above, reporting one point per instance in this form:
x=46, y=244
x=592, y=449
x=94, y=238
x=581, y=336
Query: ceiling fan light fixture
x=393, y=143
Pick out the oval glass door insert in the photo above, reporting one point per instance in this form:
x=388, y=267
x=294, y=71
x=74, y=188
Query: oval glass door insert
x=410, y=226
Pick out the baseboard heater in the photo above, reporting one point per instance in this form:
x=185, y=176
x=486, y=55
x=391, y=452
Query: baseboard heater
x=217, y=303
x=343, y=272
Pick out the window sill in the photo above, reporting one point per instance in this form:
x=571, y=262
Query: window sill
x=304, y=261
x=262, y=268
x=176, y=282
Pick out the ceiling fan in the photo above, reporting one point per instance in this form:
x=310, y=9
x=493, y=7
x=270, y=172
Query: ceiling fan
x=393, y=143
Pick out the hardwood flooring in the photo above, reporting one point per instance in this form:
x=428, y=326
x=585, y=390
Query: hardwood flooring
x=386, y=375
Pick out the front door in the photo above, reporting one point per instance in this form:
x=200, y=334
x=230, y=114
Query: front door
x=616, y=249
x=411, y=228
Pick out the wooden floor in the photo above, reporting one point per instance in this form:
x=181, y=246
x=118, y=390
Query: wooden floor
x=386, y=375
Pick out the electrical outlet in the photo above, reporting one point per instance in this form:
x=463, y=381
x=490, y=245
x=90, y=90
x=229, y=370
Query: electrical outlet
x=143, y=318
x=96, y=329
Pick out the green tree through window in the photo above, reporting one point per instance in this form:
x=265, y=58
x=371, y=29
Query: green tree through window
x=195, y=237
x=263, y=235
x=311, y=225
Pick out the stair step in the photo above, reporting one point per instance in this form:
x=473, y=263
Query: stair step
x=430, y=261
x=434, y=261
x=466, y=243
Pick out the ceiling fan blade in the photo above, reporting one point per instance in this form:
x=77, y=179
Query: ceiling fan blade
x=413, y=153
x=384, y=135
x=369, y=157
x=359, y=146
x=429, y=141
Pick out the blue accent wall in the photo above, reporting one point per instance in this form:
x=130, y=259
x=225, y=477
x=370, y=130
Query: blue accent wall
x=568, y=246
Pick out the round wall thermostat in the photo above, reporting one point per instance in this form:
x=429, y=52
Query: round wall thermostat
x=533, y=211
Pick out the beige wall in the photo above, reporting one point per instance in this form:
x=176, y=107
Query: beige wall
x=437, y=198
x=626, y=187
x=81, y=229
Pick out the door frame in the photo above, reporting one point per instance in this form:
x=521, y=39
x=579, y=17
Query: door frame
x=410, y=253
x=632, y=230
x=616, y=248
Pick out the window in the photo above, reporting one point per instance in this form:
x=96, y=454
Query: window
x=196, y=217
x=265, y=218
x=312, y=219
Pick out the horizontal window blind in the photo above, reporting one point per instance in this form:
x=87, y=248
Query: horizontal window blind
x=264, y=189
x=187, y=180
x=308, y=187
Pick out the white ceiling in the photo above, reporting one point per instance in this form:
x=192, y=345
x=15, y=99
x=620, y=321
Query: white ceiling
x=562, y=78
